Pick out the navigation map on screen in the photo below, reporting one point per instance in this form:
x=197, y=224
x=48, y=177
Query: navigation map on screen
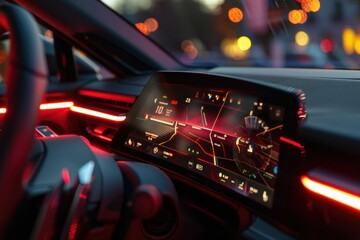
x=230, y=137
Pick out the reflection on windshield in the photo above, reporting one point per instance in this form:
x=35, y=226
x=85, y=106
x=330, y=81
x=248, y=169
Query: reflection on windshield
x=269, y=33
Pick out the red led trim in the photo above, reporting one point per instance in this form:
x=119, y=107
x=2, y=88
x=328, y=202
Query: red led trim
x=98, y=114
x=333, y=193
x=48, y=106
x=57, y=105
x=291, y=142
x=70, y=105
x=65, y=176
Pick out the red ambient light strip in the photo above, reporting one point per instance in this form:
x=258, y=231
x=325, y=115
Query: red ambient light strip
x=70, y=105
x=58, y=105
x=333, y=193
x=98, y=114
x=291, y=142
x=66, y=176
x=48, y=106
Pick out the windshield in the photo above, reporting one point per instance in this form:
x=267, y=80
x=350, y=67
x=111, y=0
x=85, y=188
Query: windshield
x=266, y=33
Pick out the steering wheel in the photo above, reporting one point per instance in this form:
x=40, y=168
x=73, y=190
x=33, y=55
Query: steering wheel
x=26, y=80
x=93, y=178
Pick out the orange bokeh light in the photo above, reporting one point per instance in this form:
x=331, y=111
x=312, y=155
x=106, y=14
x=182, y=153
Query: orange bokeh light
x=310, y=5
x=190, y=49
x=186, y=44
x=235, y=15
x=294, y=16
x=297, y=16
x=303, y=16
x=142, y=28
x=151, y=24
x=314, y=5
x=305, y=5
x=49, y=34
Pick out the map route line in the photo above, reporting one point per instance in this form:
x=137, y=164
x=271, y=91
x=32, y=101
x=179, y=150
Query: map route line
x=269, y=130
x=213, y=126
x=196, y=144
x=172, y=136
x=199, y=138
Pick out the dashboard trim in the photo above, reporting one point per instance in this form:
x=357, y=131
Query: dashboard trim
x=339, y=195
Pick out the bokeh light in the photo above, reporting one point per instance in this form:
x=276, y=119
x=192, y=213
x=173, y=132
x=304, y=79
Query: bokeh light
x=297, y=16
x=231, y=49
x=294, y=16
x=211, y=5
x=49, y=34
x=303, y=16
x=327, y=45
x=348, y=38
x=357, y=44
x=142, y=28
x=190, y=49
x=244, y=43
x=310, y=5
x=235, y=15
x=305, y=6
x=132, y=6
x=151, y=24
x=314, y=5
x=302, y=38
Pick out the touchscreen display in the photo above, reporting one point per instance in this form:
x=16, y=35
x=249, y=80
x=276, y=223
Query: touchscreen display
x=228, y=136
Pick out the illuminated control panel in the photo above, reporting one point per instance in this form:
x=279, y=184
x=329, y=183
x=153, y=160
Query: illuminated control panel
x=223, y=132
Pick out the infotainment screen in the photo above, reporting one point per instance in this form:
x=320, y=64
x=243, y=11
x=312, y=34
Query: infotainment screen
x=230, y=136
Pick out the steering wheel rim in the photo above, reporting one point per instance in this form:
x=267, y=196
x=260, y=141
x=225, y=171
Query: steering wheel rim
x=26, y=81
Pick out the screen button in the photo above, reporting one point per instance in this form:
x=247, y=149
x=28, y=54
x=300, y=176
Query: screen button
x=190, y=163
x=199, y=167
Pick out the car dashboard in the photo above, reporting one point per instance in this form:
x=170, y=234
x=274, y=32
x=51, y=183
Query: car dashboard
x=240, y=146
x=198, y=152
x=251, y=155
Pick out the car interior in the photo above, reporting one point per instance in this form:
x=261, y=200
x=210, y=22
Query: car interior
x=109, y=133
